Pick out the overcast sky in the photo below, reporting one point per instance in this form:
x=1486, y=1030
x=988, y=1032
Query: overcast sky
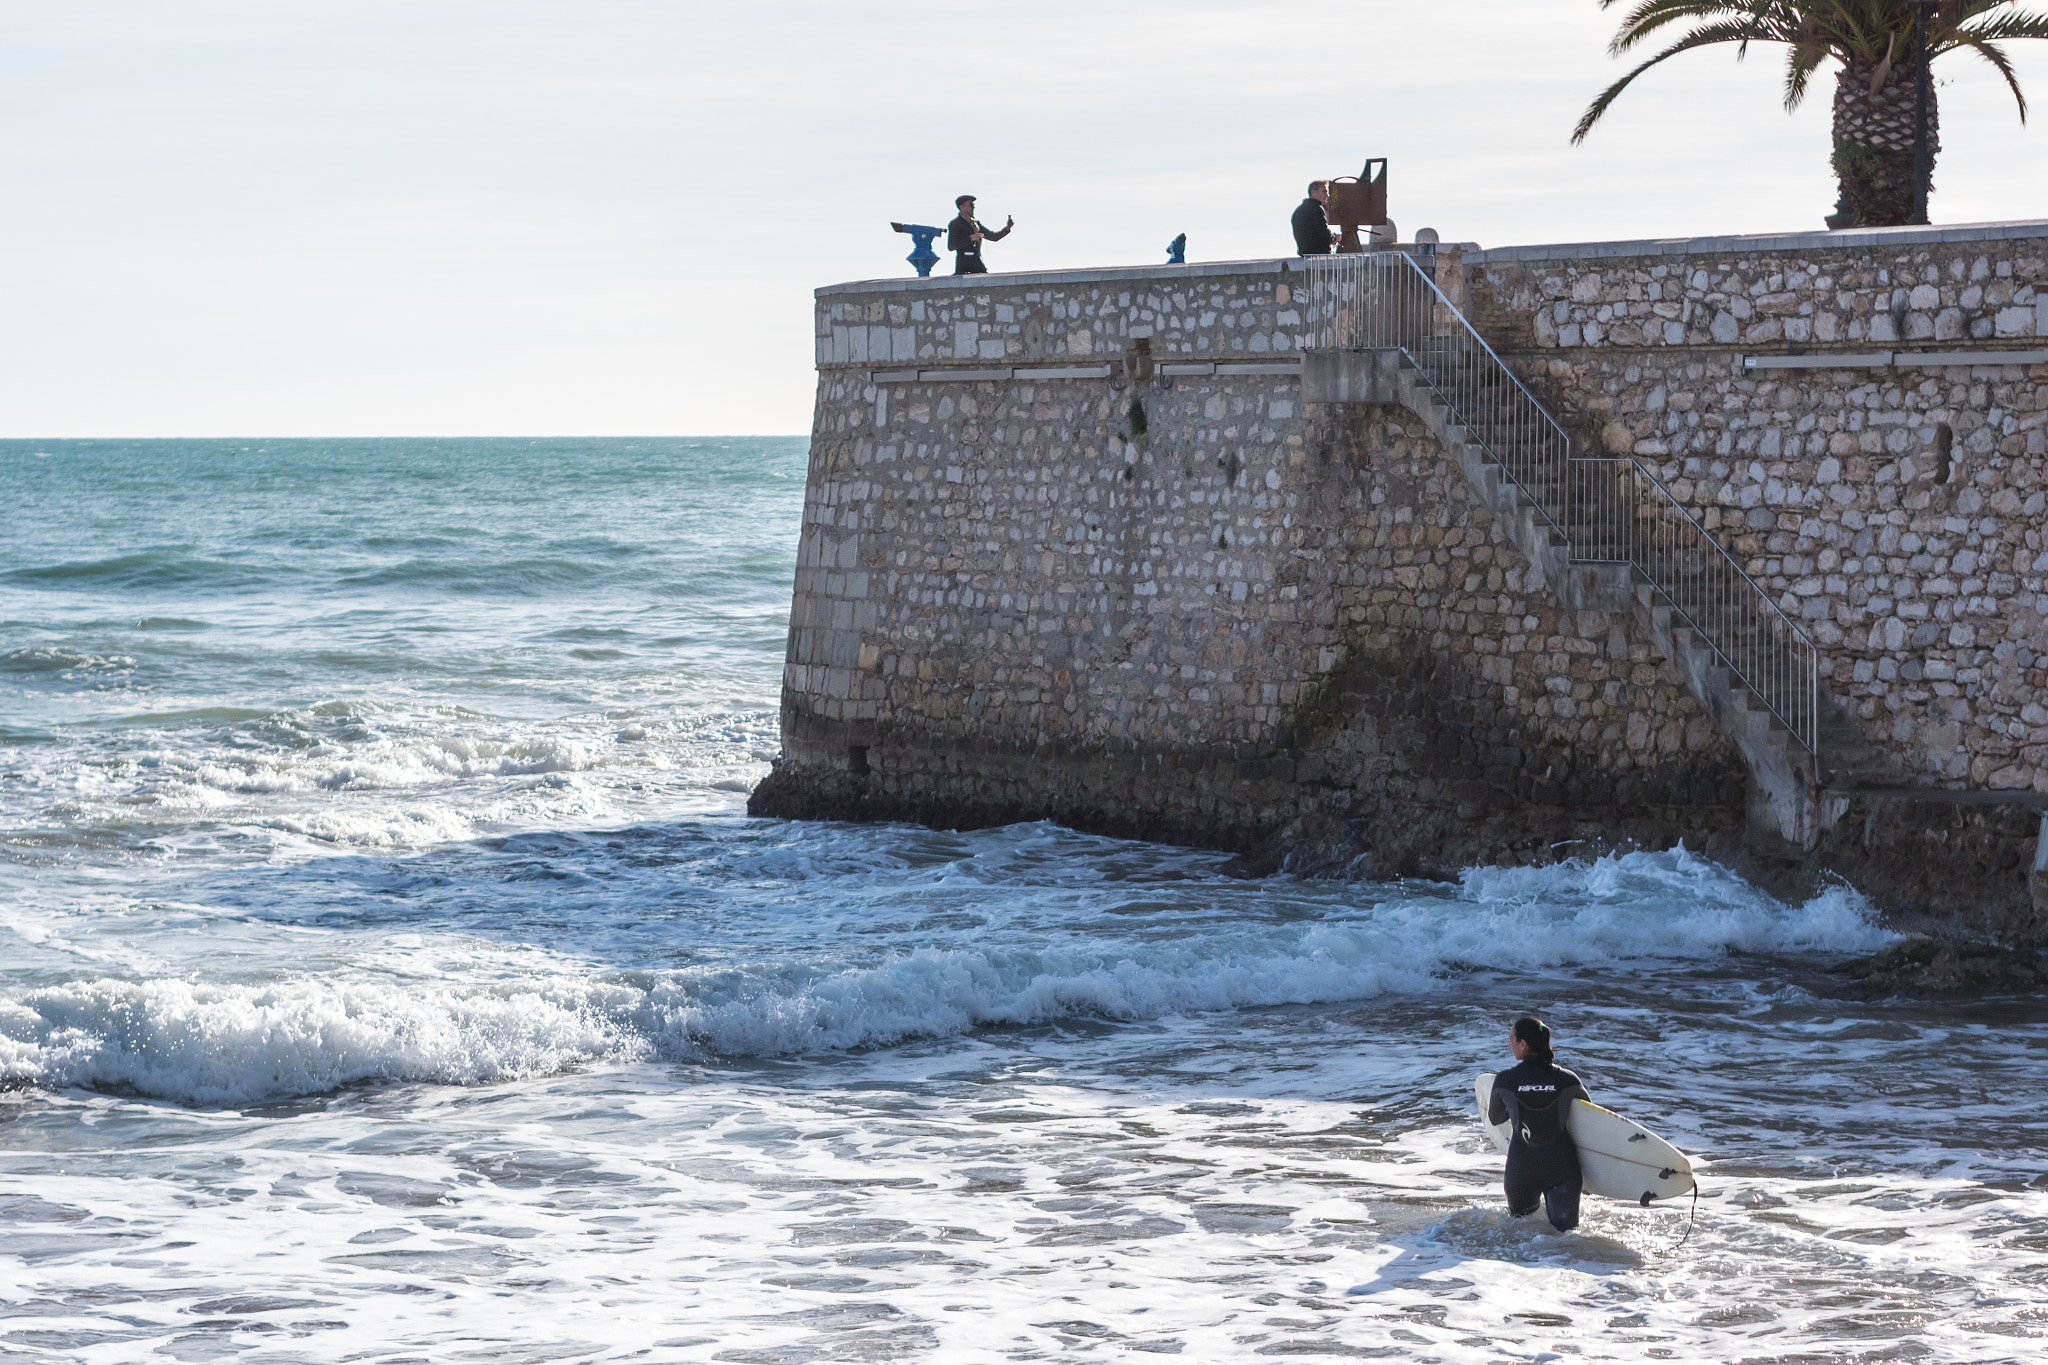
x=389, y=217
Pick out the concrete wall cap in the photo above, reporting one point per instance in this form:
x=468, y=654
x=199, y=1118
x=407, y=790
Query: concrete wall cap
x=2028, y=229
x=2022, y=230
x=1090, y=275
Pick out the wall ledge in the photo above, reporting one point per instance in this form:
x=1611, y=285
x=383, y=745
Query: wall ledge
x=2026, y=229
x=1104, y=274
x=2017, y=230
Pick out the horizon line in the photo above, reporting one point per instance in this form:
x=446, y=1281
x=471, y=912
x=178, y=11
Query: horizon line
x=468, y=436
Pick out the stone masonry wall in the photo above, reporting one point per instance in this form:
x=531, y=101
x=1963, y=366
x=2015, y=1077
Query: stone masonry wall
x=1895, y=509
x=1075, y=548
x=1247, y=311
x=1228, y=620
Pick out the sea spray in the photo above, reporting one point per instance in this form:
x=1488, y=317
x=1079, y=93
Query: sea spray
x=228, y=1043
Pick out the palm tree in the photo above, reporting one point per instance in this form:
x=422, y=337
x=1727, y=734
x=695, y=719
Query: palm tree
x=1874, y=90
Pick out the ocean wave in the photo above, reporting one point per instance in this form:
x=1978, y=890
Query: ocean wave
x=302, y=764
x=151, y=569
x=57, y=659
x=519, y=577
x=230, y=1044
x=238, y=1044
x=1599, y=907
x=404, y=765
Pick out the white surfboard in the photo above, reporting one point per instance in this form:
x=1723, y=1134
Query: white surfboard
x=1618, y=1157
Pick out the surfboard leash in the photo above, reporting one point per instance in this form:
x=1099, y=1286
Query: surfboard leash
x=1690, y=1218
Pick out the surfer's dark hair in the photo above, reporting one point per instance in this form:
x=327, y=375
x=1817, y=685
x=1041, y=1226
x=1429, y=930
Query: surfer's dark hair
x=1535, y=1035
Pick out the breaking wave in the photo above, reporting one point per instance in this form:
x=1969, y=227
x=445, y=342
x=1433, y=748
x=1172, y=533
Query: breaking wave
x=231, y=1044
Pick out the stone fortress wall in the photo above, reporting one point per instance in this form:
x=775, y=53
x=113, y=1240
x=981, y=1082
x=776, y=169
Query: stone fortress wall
x=1075, y=547
x=1879, y=464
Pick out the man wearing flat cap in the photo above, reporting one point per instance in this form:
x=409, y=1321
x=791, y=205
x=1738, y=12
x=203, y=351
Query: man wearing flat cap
x=964, y=237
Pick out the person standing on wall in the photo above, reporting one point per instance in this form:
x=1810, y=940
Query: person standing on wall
x=964, y=236
x=1311, y=222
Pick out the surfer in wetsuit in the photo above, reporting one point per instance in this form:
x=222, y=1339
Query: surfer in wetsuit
x=1533, y=1096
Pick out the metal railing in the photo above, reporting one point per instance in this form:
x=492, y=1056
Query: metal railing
x=1384, y=299
x=1607, y=510
x=1622, y=513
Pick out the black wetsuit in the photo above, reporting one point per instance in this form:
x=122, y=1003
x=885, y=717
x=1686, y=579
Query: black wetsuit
x=1312, y=229
x=1543, y=1163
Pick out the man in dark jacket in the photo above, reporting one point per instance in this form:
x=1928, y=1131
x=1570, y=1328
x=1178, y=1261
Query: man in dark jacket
x=964, y=237
x=1311, y=224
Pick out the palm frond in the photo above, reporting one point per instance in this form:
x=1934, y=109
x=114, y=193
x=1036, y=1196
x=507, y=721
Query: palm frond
x=1876, y=33
x=1770, y=20
x=1999, y=28
x=1853, y=29
x=1707, y=35
x=1995, y=55
x=1800, y=64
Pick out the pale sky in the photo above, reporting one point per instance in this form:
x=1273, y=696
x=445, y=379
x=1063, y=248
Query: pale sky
x=524, y=217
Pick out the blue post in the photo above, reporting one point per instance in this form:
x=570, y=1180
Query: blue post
x=1177, y=250
x=924, y=258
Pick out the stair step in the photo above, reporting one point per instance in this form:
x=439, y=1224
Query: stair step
x=1470, y=401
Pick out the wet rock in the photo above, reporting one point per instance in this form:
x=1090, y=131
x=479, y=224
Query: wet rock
x=1923, y=966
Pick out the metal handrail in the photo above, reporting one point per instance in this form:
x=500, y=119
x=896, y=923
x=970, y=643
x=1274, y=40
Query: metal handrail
x=1606, y=510
x=1385, y=299
x=1623, y=513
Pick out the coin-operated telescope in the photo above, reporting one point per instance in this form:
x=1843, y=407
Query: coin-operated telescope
x=923, y=257
x=1359, y=201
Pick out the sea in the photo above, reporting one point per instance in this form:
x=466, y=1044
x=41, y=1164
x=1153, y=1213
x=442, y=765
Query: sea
x=389, y=971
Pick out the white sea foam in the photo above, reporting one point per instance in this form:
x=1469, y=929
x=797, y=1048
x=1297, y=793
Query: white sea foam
x=1673, y=903
x=422, y=778
x=234, y=1043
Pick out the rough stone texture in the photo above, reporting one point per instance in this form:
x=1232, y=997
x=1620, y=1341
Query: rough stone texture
x=1249, y=313
x=1252, y=625
x=1896, y=511
x=1192, y=607
x=1912, y=291
x=1922, y=965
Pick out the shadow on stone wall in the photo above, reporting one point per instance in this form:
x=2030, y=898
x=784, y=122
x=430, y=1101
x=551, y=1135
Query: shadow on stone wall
x=1413, y=764
x=1401, y=761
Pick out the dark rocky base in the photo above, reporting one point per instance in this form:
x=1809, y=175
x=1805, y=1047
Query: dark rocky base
x=789, y=793
x=1955, y=872
x=1272, y=824
x=1440, y=841
x=1960, y=876
x=1923, y=965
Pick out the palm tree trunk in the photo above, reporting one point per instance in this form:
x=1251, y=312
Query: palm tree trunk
x=1874, y=143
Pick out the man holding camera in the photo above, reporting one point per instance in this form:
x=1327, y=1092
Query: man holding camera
x=964, y=236
x=1312, y=222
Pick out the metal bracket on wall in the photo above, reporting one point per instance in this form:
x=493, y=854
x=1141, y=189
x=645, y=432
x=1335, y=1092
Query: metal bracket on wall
x=963, y=374
x=1223, y=367
x=1291, y=367
x=951, y=375
x=1880, y=360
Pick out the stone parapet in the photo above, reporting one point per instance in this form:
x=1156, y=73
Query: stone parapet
x=1238, y=309
x=1078, y=545
x=1888, y=286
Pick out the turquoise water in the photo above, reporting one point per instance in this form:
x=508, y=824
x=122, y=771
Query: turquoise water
x=389, y=971
x=207, y=642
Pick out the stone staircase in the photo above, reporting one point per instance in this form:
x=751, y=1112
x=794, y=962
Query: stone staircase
x=1600, y=534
